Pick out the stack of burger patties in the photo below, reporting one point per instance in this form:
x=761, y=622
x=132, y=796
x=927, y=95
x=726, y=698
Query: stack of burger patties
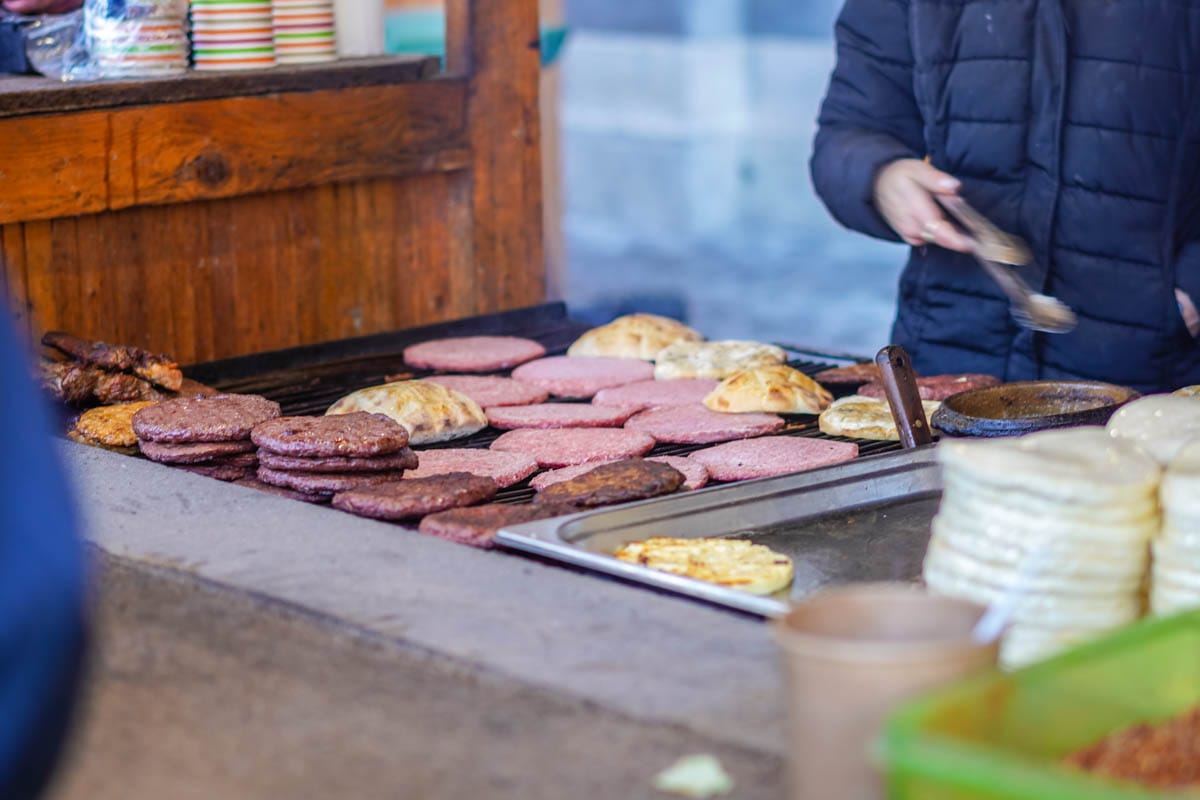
x=206, y=435
x=314, y=458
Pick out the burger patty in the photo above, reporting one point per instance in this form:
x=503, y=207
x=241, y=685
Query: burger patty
x=937, y=387
x=473, y=353
x=700, y=425
x=609, y=484
x=567, y=446
x=417, y=497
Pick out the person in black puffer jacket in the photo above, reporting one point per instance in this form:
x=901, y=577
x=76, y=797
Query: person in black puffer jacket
x=1072, y=123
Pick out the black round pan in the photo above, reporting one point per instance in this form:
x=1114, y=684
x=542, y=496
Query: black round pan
x=1011, y=409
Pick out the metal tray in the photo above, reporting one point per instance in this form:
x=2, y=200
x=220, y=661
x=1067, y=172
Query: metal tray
x=861, y=521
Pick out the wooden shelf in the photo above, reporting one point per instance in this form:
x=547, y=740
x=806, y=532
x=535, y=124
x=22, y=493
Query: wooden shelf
x=23, y=95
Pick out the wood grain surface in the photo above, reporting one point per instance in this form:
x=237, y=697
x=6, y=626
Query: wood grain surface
x=224, y=277
x=218, y=227
x=71, y=164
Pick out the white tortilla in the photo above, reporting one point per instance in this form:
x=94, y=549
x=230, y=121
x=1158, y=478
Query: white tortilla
x=1160, y=424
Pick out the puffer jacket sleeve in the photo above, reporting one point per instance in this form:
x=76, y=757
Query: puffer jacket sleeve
x=870, y=116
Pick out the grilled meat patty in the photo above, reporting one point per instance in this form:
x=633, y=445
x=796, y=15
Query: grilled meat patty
x=609, y=484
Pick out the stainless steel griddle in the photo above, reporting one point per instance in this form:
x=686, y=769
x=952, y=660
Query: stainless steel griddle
x=861, y=521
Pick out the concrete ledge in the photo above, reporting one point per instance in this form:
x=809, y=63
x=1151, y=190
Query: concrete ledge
x=653, y=658
x=199, y=692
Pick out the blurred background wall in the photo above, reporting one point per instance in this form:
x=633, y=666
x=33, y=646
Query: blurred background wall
x=679, y=132
x=687, y=128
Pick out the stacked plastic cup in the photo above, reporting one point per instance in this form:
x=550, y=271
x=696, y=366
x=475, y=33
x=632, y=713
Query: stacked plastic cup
x=138, y=38
x=232, y=34
x=305, y=32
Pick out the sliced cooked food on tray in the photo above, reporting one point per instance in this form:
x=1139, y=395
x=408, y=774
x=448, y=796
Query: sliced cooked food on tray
x=1160, y=424
x=1058, y=523
x=733, y=563
x=567, y=446
x=657, y=394
x=580, y=378
x=220, y=418
x=478, y=526
x=156, y=368
x=472, y=353
x=771, y=456
x=1188, y=391
x=110, y=426
x=695, y=474
x=937, y=387
x=639, y=336
x=417, y=497
x=613, y=483
x=716, y=360
x=489, y=391
x=557, y=415
x=357, y=435
x=699, y=425
x=776, y=389
x=867, y=418
x=79, y=384
x=429, y=412
x=842, y=380
x=505, y=469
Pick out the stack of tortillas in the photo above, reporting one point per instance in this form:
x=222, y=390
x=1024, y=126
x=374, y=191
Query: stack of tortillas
x=1054, y=527
x=1176, y=579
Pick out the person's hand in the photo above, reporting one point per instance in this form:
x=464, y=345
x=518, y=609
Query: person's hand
x=904, y=195
x=41, y=6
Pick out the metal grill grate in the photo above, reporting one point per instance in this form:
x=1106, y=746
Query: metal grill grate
x=307, y=380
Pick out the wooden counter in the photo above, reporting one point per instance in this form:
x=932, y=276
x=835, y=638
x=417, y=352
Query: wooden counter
x=214, y=215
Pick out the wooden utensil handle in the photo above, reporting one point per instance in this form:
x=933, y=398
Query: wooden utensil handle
x=900, y=386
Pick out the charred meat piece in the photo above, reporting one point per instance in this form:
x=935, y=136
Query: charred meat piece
x=79, y=384
x=156, y=368
x=417, y=497
x=609, y=484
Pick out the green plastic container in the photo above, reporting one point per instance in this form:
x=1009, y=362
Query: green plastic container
x=1001, y=737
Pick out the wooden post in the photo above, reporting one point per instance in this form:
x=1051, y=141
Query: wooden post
x=494, y=46
x=552, y=172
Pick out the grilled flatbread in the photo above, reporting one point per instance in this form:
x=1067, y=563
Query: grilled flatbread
x=430, y=412
x=734, y=563
x=717, y=360
x=110, y=426
x=777, y=389
x=865, y=418
x=639, y=336
x=1159, y=424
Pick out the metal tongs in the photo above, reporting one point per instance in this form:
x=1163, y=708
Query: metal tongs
x=998, y=253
